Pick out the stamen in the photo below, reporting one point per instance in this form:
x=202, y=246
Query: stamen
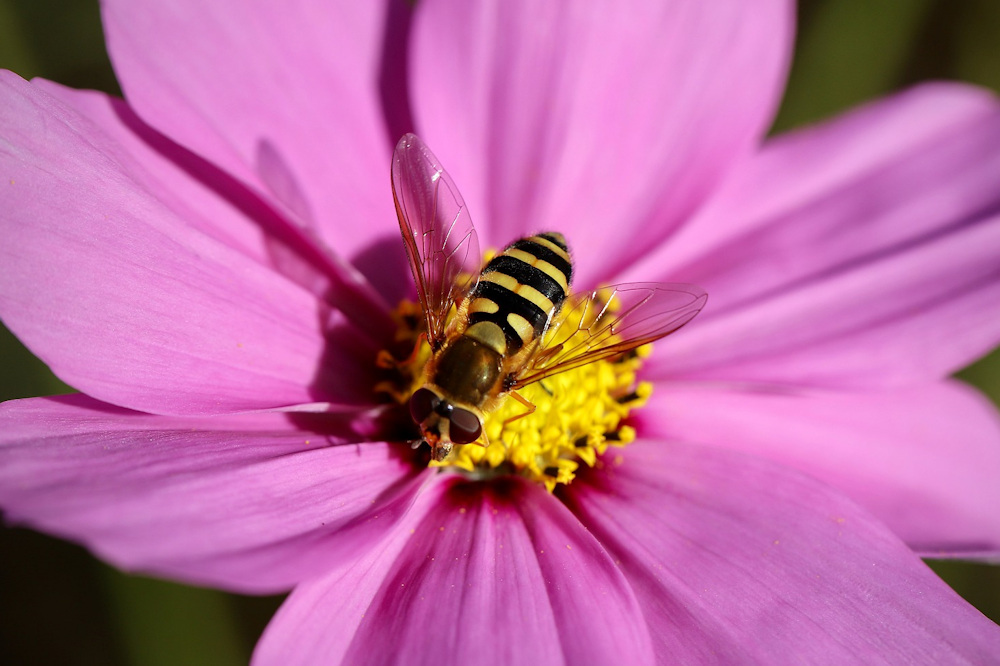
x=577, y=414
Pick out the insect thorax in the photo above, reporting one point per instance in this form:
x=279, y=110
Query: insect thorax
x=467, y=369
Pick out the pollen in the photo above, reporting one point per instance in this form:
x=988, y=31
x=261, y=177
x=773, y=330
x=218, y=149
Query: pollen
x=549, y=428
x=572, y=419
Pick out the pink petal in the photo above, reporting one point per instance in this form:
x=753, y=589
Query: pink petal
x=862, y=252
x=610, y=119
x=160, y=169
x=130, y=303
x=221, y=207
x=253, y=503
x=489, y=573
x=736, y=560
x=924, y=460
x=286, y=97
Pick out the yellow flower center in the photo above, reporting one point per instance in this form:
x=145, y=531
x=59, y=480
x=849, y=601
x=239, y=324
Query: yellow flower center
x=577, y=414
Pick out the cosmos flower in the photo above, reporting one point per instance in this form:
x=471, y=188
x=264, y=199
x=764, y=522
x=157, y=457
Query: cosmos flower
x=214, y=263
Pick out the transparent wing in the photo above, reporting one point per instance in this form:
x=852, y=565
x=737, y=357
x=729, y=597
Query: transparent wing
x=610, y=321
x=437, y=231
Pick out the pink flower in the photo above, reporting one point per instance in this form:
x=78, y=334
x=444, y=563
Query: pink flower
x=213, y=262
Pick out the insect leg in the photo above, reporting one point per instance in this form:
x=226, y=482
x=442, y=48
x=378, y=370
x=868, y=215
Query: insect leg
x=387, y=361
x=524, y=401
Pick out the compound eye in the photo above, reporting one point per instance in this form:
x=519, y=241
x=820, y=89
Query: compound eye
x=423, y=402
x=465, y=427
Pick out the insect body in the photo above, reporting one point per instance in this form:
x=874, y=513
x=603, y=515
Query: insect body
x=494, y=331
x=519, y=292
x=498, y=327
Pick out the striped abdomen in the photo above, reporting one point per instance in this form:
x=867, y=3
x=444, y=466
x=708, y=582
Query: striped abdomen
x=519, y=292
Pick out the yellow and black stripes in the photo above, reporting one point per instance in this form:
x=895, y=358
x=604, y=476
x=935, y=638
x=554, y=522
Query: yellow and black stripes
x=519, y=291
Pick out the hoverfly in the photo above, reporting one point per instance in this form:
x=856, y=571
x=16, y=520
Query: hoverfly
x=505, y=332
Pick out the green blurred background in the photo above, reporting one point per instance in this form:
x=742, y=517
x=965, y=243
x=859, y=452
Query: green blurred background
x=58, y=605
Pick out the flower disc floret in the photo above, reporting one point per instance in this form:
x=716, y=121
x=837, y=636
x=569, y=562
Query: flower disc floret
x=573, y=417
